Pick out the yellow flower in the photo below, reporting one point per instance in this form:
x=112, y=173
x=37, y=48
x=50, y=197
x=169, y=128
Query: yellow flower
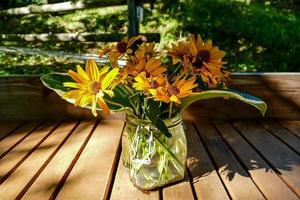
x=153, y=66
x=148, y=84
x=206, y=61
x=107, y=48
x=91, y=85
x=147, y=51
x=175, y=91
x=121, y=49
x=179, y=52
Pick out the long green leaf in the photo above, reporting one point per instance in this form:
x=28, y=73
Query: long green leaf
x=209, y=94
x=153, y=113
x=54, y=81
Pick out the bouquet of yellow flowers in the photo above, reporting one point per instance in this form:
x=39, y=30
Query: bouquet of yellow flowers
x=152, y=87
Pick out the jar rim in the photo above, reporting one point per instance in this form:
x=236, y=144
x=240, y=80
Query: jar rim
x=169, y=122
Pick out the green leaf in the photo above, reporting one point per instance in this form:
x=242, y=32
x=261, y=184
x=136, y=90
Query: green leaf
x=160, y=125
x=153, y=113
x=121, y=96
x=54, y=81
x=209, y=94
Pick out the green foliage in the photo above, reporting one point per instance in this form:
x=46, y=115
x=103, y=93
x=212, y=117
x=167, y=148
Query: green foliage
x=257, y=35
x=110, y=19
x=19, y=3
x=25, y=64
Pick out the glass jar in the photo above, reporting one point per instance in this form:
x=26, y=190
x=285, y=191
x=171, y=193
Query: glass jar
x=152, y=159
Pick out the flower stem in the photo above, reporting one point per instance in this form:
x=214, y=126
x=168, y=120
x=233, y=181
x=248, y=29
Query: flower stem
x=113, y=103
x=170, y=109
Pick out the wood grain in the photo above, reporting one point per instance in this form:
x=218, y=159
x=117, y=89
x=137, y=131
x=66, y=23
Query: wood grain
x=234, y=176
x=269, y=183
x=179, y=191
x=16, y=137
x=21, y=152
x=21, y=176
x=291, y=126
x=281, y=157
x=123, y=188
x=206, y=180
x=44, y=185
x=82, y=162
x=91, y=173
x=290, y=139
x=8, y=127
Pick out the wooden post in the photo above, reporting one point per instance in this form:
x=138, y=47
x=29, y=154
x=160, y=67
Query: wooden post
x=133, y=23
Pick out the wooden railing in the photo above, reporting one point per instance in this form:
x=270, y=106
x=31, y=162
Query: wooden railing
x=60, y=7
x=133, y=24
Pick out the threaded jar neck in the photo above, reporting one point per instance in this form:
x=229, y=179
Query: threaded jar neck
x=172, y=122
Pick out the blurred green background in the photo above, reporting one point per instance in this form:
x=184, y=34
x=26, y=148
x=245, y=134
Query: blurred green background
x=258, y=35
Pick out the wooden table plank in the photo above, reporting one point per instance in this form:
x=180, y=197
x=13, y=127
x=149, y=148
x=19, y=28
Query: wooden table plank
x=206, y=181
x=16, y=137
x=91, y=173
x=297, y=122
x=290, y=139
x=265, y=178
x=286, y=161
x=8, y=127
x=178, y=191
x=16, y=156
x=44, y=185
x=234, y=176
x=123, y=188
x=291, y=126
x=18, y=180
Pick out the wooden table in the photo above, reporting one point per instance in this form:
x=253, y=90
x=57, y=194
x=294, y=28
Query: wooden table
x=81, y=160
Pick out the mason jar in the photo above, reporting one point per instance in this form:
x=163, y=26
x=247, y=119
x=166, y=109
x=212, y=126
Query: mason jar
x=152, y=159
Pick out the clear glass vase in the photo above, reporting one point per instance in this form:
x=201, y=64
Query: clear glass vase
x=152, y=159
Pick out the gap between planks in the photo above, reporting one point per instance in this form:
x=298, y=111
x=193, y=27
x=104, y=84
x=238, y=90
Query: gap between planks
x=235, y=177
x=18, y=155
x=283, y=160
x=269, y=183
x=40, y=157
x=7, y=128
x=91, y=173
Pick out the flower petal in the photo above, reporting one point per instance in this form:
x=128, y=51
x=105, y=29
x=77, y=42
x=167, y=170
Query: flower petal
x=109, y=92
x=82, y=73
x=92, y=70
x=94, y=105
x=174, y=99
x=72, y=85
x=108, y=79
x=103, y=106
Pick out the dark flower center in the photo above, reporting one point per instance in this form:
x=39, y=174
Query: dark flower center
x=147, y=74
x=172, y=90
x=122, y=47
x=137, y=43
x=154, y=84
x=96, y=87
x=202, y=56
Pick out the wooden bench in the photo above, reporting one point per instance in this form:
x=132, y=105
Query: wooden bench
x=48, y=149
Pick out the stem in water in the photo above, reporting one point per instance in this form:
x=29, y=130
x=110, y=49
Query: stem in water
x=170, y=109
